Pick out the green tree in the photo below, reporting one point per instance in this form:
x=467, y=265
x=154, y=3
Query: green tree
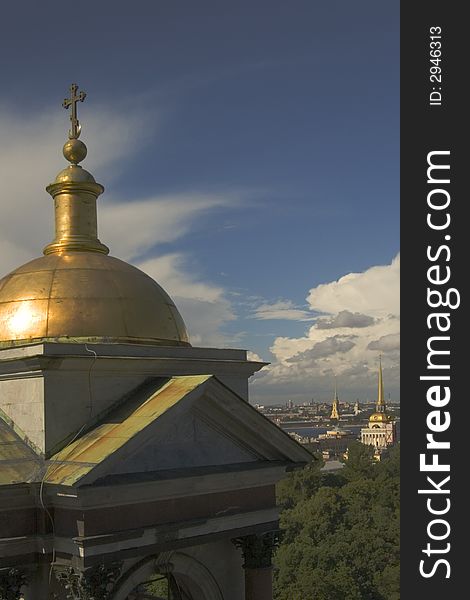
x=300, y=484
x=341, y=540
x=360, y=461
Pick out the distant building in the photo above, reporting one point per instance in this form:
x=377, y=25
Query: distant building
x=335, y=408
x=336, y=440
x=357, y=409
x=381, y=432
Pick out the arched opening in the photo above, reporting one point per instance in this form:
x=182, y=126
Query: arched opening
x=169, y=576
x=162, y=586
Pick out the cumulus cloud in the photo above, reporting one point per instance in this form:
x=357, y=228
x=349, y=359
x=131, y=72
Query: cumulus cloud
x=386, y=343
x=281, y=310
x=331, y=345
x=254, y=357
x=374, y=292
x=360, y=318
x=345, y=318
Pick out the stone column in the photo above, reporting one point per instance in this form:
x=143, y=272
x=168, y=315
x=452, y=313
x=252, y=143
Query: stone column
x=257, y=552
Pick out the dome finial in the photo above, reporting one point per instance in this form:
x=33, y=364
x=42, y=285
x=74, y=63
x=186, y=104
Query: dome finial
x=74, y=150
x=75, y=192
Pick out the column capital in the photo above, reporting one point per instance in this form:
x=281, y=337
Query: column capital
x=257, y=549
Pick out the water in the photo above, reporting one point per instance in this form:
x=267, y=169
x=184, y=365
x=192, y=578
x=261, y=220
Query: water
x=314, y=432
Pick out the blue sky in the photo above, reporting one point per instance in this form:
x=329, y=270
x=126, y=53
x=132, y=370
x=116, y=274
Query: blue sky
x=269, y=130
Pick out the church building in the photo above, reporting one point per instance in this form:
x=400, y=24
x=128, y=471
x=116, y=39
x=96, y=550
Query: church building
x=334, y=442
x=334, y=416
x=132, y=465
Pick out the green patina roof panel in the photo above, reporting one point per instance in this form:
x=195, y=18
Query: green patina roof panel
x=77, y=459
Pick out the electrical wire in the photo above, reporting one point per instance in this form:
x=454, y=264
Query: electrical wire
x=48, y=472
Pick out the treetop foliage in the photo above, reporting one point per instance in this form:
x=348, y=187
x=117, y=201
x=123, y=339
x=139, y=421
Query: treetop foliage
x=340, y=531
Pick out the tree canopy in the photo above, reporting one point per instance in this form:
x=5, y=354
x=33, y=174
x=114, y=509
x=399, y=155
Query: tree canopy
x=340, y=531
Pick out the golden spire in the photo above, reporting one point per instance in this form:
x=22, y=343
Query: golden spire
x=335, y=407
x=380, y=415
x=75, y=192
x=380, y=395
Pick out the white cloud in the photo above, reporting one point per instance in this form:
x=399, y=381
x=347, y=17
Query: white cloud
x=361, y=318
x=386, y=343
x=327, y=347
x=132, y=228
x=345, y=318
x=281, y=310
x=374, y=292
x=254, y=357
x=203, y=306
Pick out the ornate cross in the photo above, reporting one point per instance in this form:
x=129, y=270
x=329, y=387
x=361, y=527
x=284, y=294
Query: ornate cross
x=72, y=101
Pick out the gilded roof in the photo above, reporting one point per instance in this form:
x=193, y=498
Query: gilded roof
x=379, y=417
x=86, y=296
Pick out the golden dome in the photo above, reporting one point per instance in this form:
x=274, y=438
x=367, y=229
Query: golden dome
x=86, y=297
x=379, y=418
x=76, y=293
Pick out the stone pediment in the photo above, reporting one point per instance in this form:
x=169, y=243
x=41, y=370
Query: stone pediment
x=180, y=423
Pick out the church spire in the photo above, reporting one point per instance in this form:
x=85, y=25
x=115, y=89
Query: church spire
x=75, y=192
x=380, y=406
x=335, y=407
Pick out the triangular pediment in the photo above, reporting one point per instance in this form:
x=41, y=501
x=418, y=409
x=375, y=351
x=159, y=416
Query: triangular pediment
x=184, y=442
x=183, y=423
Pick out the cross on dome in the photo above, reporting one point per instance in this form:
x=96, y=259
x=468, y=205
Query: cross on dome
x=74, y=132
